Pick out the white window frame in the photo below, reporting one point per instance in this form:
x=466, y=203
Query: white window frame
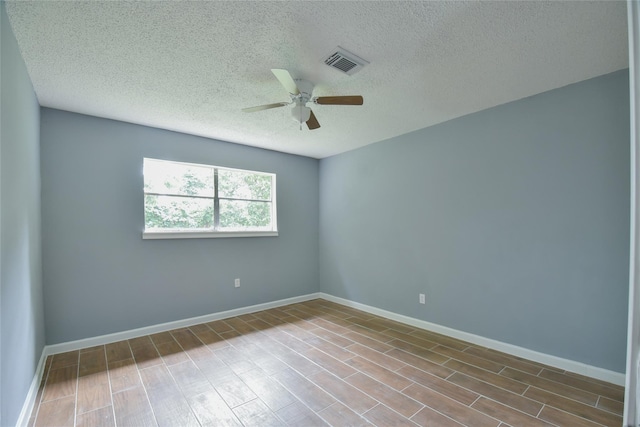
x=213, y=232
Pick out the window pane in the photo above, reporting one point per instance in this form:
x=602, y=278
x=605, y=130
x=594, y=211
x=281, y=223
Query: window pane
x=243, y=215
x=243, y=185
x=176, y=178
x=171, y=212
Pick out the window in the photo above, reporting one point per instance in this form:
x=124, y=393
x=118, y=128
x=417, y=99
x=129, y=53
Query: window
x=183, y=200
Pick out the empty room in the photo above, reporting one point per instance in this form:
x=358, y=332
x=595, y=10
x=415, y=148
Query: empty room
x=319, y=213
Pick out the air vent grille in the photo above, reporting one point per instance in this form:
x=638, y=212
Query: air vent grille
x=345, y=61
x=341, y=63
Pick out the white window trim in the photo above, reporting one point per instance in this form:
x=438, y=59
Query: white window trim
x=200, y=234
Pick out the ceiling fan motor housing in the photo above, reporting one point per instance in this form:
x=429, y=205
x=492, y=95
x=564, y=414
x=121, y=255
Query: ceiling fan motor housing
x=305, y=88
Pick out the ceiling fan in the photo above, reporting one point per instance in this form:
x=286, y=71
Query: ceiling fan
x=301, y=92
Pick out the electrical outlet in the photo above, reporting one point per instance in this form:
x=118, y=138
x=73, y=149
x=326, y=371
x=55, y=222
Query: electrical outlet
x=422, y=299
x=237, y=283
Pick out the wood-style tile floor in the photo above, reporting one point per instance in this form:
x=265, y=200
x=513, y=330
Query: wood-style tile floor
x=310, y=364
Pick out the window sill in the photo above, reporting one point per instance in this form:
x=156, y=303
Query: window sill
x=205, y=234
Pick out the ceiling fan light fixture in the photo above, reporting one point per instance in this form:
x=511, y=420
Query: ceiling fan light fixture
x=301, y=113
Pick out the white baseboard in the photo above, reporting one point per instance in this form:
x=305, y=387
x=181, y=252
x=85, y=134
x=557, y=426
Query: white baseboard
x=557, y=362
x=163, y=327
x=27, y=408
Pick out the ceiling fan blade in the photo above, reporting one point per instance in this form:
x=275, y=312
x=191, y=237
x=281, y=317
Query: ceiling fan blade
x=265, y=107
x=339, y=100
x=312, y=123
x=286, y=80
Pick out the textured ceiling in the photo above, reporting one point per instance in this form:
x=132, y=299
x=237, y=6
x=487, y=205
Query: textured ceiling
x=192, y=66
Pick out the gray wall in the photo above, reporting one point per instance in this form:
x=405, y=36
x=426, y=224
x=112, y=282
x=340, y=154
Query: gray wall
x=514, y=221
x=21, y=318
x=101, y=277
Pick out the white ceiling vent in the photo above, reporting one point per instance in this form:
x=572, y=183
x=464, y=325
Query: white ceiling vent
x=345, y=61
